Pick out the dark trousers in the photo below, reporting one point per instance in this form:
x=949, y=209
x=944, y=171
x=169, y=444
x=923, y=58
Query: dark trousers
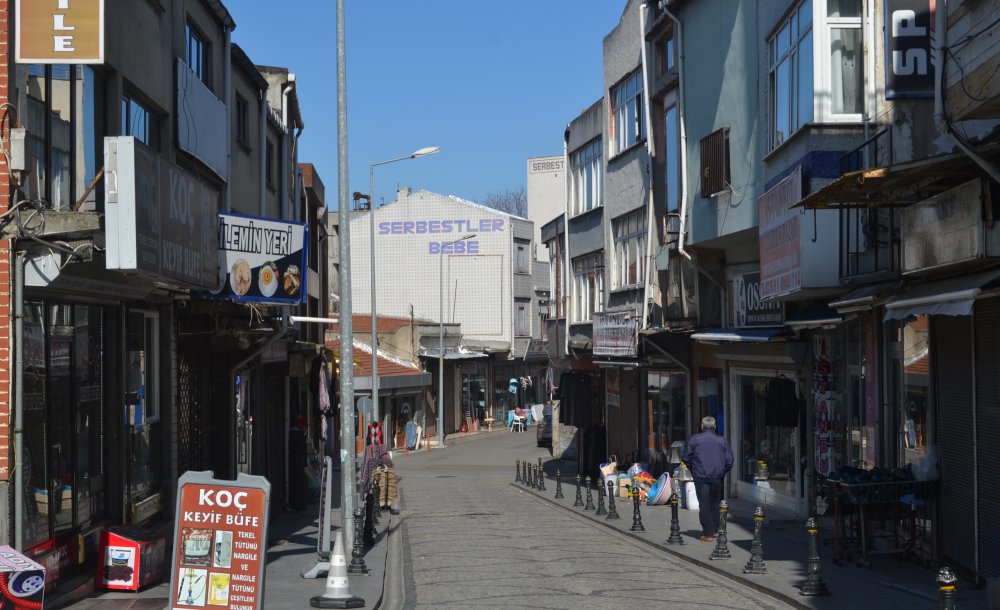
x=709, y=494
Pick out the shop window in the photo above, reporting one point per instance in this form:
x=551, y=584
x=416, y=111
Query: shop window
x=63, y=118
x=142, y=412
x=769, y=435
x=666, y=409
x=915, y=419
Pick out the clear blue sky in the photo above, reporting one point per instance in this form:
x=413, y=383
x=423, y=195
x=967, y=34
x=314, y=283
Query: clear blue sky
x=491, y=83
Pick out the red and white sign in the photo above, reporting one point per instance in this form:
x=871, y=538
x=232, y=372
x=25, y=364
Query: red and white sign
x=220, y=543
x=615, y=334
x=779, y=228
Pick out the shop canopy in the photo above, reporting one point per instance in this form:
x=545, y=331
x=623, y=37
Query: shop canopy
x=949, y=297
x=452, y=355
x=865, y=298
x=743, y=335
x=814, y=316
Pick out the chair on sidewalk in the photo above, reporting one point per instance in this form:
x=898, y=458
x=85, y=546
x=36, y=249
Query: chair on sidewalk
x=519, y=424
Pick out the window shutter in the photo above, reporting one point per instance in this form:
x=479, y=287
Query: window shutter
x=715, y=162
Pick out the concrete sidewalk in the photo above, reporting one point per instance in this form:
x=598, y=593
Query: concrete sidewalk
x=889, y=584
x=291, y=550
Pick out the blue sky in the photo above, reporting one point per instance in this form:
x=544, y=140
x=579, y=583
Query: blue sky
x=491, y=83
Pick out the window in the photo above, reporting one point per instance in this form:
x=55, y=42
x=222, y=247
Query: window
x=556, y=275
x=197, y=56
x=586, y=181
x=543, y=319
x=630, y=249
x=522, y=256
x=588, y=286
x=672, y=159
x=242, y=120
x=664, y=50
x=627, y=126
x=522, y=317
x=137, y=121
x=269, y=165
x=715, y=163
x=816, y=73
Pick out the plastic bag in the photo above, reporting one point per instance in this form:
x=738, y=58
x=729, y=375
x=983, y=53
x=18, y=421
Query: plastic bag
x=926, y=469
x=635, y=469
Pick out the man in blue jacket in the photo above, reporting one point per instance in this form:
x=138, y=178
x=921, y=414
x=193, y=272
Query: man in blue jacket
x=709, y=457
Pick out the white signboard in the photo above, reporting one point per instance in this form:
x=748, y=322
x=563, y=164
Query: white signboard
x=779, y=229
x=261, y=260
x=615, y=334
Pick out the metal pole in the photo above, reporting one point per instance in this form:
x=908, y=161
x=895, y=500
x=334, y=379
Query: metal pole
x=440, y=405
x=371, y=230
x=346, y=322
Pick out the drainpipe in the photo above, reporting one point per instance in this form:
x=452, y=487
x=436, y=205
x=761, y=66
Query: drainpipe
x=280, y=334
x=227, y=84
x=679, y=35
x=18, y=401
x=567, y=298
x=264, y=110
x=650, y=151
x=286, y=141
x=941, y=120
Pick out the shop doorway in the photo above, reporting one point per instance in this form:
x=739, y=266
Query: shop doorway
x=767, y=441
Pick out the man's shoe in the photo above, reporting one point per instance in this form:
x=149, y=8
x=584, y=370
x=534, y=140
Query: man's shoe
x=706, y=538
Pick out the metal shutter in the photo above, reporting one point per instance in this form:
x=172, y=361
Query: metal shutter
x=952, y=362
x=987, y=328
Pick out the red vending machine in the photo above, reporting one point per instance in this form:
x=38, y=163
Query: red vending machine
x=133, y=558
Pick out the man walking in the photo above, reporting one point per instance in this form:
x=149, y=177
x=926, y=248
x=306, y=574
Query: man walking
x=709, y=457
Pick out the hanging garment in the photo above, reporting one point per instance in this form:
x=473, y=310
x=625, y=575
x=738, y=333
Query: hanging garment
x=387, y=486
x=782, y=405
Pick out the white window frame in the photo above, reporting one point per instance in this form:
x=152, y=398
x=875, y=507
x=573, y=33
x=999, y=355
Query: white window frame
x=628, y=121
x=588, y=286
x=629, y=233
x=820, y=29
x=587, y=176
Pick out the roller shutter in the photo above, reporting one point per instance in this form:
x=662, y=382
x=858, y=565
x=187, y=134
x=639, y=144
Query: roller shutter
x=987, y=330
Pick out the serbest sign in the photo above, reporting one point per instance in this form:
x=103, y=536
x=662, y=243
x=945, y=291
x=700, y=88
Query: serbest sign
x=908, y=35
x=779, y=226
x=220, y=542
x=615, y=334
x=161, y=220
x=60, y=31
x=450, y=230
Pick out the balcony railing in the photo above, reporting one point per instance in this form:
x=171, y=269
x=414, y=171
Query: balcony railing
x=874, y=152
x=869, y=241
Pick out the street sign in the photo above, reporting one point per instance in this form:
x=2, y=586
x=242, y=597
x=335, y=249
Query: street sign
x=220, y=542
x=365, y=406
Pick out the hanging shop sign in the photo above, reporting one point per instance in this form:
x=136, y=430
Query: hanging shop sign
x=60, y=31
x=749, y=309
x=161, y=220
x=909, y=31
x=779, y=228
x=220, y=542
x=616, y=334
x=261, y=260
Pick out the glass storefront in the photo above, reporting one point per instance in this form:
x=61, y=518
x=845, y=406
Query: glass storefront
x=769, y=432
x=65, y=481
x=143, y=414
x=914, y=420
x=665, y=419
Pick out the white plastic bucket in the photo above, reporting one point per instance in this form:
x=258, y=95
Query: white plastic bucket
x=690, y=496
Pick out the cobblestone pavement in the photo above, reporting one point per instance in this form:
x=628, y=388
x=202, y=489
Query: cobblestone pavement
x=470, y=540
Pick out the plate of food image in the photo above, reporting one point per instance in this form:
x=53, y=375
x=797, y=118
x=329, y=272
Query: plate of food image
x=239, y=277
x=292, y=280
x=267, y=279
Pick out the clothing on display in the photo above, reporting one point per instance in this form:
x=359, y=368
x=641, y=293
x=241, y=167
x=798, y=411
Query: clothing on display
x=782, y=404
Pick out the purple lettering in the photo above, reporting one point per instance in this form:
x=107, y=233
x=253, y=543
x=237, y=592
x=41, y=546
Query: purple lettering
x=472, y=247
x=397, y=228
x=446, y=226
x=434, y=226
x=383, y=228
x=408, y=226
x=421, y=226
x=498, y=224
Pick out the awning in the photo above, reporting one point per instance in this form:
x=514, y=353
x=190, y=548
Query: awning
x=744, y=335
x=897, y=185
x=461, y=355
x=865, y=298
x=951, y=297
x=814, y=316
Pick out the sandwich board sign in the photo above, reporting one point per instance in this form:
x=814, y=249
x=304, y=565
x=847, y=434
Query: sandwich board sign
x=220, y=542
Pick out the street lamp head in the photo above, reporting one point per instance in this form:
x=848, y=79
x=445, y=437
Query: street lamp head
x=468, y=237
x=423, y=152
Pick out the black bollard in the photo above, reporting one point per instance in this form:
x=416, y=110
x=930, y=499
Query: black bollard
x=590, y=497
x=541, y=478
x=601, y=511
x=637, y=525
x=946, y=588
x=612, y=511
x=368, y=531
x=675, y=524
x=536, y=478
x=518, y=479
x=721, y=550
x=755, y=565
x=814, y=584
x=559, y=493
x=579, y=495
x=357, y=565
x=529, y=478
x=377, y=492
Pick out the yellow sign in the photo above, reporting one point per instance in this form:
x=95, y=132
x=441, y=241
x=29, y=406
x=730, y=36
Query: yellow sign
x=60, y=31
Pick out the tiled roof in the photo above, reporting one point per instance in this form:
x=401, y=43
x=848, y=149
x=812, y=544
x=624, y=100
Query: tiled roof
x=387, y=366
x=362, y=323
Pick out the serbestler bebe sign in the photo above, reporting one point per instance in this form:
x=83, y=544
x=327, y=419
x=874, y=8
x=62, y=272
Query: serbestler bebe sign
x=60, y=31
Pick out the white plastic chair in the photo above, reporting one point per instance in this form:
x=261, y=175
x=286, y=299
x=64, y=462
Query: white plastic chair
x=519, y=424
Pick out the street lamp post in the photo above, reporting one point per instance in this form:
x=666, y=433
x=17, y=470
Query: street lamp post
x=440, y=414
x=423, y=152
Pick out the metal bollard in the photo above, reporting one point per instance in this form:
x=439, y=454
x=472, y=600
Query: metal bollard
x=357, y=565
x=368, y=530
x=518, y=479
x=378, y=498
x=814, y=584
x=590, y=497
x=537, y=478
x=675, y=524
x=721, y=550
x=559, y=493
x=531, y=474
x=946, y=588
x=612, y=511
x=541, y=475
x=637, y=525
x=755, y=565
x=601, y=511
x=579, y=495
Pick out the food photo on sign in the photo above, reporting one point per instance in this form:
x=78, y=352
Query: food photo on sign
x=261, y=259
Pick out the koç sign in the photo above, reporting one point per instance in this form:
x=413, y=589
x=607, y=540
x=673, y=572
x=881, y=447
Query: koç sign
x=60, y=31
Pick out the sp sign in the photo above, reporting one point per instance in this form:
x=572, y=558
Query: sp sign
x=909, y=71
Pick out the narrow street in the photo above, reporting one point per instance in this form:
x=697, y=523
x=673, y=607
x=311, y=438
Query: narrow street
x=471, y=540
